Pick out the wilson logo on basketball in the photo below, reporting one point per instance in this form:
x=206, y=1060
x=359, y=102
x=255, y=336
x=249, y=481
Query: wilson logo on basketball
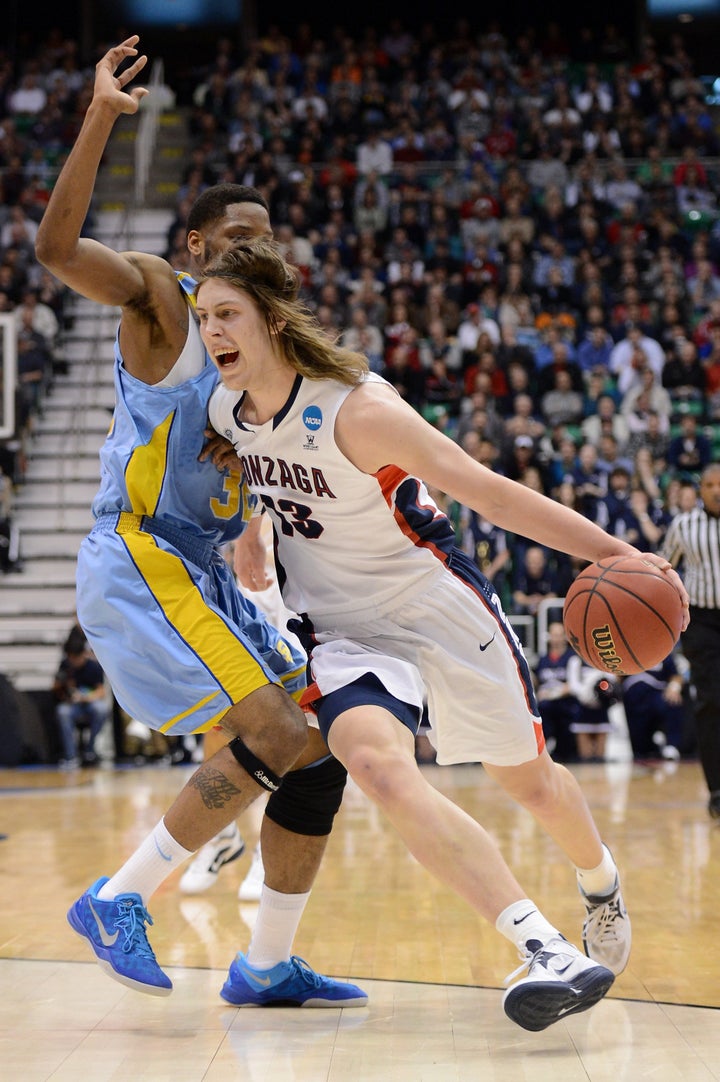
x=605, y=646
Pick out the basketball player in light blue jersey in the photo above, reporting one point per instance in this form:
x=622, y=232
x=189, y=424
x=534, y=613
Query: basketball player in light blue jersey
x=184, y=651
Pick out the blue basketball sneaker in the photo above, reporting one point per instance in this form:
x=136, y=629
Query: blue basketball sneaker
x=116, y=933
x=288, y=984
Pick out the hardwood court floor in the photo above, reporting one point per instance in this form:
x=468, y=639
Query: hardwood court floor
x=433, y=970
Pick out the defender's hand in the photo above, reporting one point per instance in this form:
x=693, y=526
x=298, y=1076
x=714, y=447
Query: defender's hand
x=110, y=88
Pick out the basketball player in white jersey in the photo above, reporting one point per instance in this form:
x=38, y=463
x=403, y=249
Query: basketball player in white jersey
x=394, y=614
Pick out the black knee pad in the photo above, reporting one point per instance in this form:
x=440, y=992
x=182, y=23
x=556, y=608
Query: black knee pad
x=308, y=799
x=255, y=767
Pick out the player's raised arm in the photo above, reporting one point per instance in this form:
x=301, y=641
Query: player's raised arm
x=90, y=268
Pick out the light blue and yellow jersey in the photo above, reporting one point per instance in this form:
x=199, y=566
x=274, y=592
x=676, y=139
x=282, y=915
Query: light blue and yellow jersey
x=149, y=461
x=178, y=642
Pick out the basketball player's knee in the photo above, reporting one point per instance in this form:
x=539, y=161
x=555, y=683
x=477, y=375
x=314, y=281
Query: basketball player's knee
x=255, y=768
x=546, y=790
x=267, y=733
x=380, y=774
x=308, y=799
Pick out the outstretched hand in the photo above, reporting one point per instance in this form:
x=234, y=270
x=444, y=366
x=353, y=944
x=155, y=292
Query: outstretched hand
x=110, y=87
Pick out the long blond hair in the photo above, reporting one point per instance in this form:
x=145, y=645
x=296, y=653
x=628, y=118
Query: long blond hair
x=257, y=268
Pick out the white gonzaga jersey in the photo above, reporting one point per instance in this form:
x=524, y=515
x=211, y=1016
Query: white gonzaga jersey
x=369, y=563
x=359, y=541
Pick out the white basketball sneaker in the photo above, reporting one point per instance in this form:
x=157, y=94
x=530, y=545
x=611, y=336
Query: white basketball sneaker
x=560, y=981
x=225, y=847
x=252, y=885
x=607, y=935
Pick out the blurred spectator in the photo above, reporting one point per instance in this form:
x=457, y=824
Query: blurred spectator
x=475, y=323
x=374, y=155
x=9, y=531
x=545, y=170
x=650, y=466
x=590, y=480
x=402, y=369
x=710, y=356
x=370, y=215
x=684, y=377
x=38, y=316
x=655, y=711
x=607, y=419
x=487, y=546
x=442, y=387
x=614, y=510
x=596, y=692
x=555, y=259
x=437, y=343
x=651, y=518
x=649, y=440
x=690, y=451
x=555, y=350
x=364, y=337
x=621, y=190
x=34, y=369
x=612, y=454
x=523, y=422
x=593, y=352
x=29, y=98
x=562, y=404
x=646, y=398
x=559, y=708
x=563, y=461
x=533, y=580
x=633, y=353
x=81, y=710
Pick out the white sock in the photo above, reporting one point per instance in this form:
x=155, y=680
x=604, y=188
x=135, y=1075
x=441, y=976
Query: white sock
x=601, y=880
x=522, y=921
x=151, y=863
x=275, y=929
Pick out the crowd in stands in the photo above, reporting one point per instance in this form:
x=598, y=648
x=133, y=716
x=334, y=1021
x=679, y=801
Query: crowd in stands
x=520, y=231
x=42, y=101
x=521, y=234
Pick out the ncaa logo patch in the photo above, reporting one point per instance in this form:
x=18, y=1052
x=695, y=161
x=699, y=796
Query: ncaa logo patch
x=312, y=419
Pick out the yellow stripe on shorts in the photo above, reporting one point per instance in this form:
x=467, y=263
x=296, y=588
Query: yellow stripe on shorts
x=235, y=669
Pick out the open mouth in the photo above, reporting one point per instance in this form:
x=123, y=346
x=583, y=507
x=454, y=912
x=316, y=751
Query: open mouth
x=226, y=359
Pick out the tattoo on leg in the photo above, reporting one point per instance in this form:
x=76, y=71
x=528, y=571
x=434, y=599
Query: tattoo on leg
x=214, y=788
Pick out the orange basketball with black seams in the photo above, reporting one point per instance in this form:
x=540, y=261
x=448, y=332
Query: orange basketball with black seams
x=623, y=615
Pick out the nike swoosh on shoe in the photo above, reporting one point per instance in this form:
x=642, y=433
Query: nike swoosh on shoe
x=264, y=982
x=107, y=939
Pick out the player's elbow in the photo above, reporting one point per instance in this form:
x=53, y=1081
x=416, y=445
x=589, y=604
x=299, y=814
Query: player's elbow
x=50, y=251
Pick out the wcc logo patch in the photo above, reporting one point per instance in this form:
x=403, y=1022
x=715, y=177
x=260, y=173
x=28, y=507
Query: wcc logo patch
x=312, y=419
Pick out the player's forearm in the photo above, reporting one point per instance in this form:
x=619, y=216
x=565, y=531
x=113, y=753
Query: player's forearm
x=59, y=231
x=552, y=524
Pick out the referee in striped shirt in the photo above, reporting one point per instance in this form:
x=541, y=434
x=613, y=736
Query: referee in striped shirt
x=693, y=541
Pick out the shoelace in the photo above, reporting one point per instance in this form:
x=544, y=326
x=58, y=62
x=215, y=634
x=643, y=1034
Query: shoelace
x=607, y=920
x=303, y=970
x=530, y=957
x=131, y=920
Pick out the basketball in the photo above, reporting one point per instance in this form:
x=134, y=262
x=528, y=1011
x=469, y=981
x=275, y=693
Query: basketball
x=622, y=615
